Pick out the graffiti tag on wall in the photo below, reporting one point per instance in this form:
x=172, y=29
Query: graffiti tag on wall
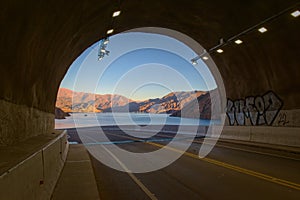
x=260, y=110
x=282, y=121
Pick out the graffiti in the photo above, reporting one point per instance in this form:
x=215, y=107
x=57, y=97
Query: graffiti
x=259, y=110
x=282, y=121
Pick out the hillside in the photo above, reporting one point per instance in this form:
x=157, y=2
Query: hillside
x=169, y=103
x=204, y=106
x=70, y=101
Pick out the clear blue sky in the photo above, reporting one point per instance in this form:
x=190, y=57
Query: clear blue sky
x=140, y=66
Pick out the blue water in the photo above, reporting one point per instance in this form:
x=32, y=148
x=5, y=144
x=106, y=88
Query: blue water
x=107, y=119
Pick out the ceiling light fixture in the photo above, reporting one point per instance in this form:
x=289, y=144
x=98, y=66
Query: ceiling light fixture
x=106, y=41
x=235, y=38
x=262, y=29
x=116, y=13
x=110, y=31
x=220, y=51
x=295, y=13
x=102, y=49
x=194, y=60
x=238, y=41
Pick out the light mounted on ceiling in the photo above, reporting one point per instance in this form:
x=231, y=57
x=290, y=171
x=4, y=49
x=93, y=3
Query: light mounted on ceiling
x=110, y=31
x=262, y=29
x=194, y=60
x=106, y=41
x=102, y=52
x=295, y=13
x=238, y=41
x=116, y=13
x=220, y=51
x=235, y=38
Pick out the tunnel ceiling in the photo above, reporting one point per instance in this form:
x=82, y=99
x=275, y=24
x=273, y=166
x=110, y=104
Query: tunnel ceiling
x=40, y=40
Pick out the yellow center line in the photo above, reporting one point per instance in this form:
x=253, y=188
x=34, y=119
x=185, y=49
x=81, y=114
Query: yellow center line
x=226, y=165
x=235, y=168
x=246, y=150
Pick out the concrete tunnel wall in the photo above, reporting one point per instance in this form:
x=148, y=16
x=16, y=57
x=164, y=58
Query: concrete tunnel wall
x=40, y=39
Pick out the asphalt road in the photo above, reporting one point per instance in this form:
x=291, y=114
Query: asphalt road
x=230, y=171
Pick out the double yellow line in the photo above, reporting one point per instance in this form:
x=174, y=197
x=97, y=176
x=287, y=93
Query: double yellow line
x=249, y=151
x=235, y=168
x=225, y=165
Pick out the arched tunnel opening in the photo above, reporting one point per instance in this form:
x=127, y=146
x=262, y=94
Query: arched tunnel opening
x=149, y=81
x=255, y=46
x=147, y=70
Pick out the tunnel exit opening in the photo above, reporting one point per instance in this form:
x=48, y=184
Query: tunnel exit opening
x=89, y=76
x=147, y=80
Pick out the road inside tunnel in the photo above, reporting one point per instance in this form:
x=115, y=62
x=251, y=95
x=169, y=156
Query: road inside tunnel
x=230, y=171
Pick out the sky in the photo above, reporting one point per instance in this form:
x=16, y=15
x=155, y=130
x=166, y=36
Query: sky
x=140, y=66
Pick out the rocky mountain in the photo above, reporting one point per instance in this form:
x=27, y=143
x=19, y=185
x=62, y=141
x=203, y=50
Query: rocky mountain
x=172, y=103
x=71, y=101
x=169, y=103
x=203, y=104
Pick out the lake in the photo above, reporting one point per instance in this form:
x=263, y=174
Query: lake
x=111, y=119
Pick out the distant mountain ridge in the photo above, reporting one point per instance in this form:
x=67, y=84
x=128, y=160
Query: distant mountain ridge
x=71, y=101
x=169, y=103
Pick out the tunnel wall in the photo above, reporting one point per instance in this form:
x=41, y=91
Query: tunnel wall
x=263, y=69
x=40, y=39
x=19, y=122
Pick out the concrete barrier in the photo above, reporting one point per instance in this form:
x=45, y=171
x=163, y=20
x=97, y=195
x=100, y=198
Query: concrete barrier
x=36, y=176
x=287, y=136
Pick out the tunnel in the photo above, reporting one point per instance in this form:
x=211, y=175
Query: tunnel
x=41, y=39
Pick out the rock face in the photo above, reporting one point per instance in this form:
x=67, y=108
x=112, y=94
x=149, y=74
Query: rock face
x=168, y=104
x=204, y=102
x=60, y=114
x=87, y=102
x=71, y=101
